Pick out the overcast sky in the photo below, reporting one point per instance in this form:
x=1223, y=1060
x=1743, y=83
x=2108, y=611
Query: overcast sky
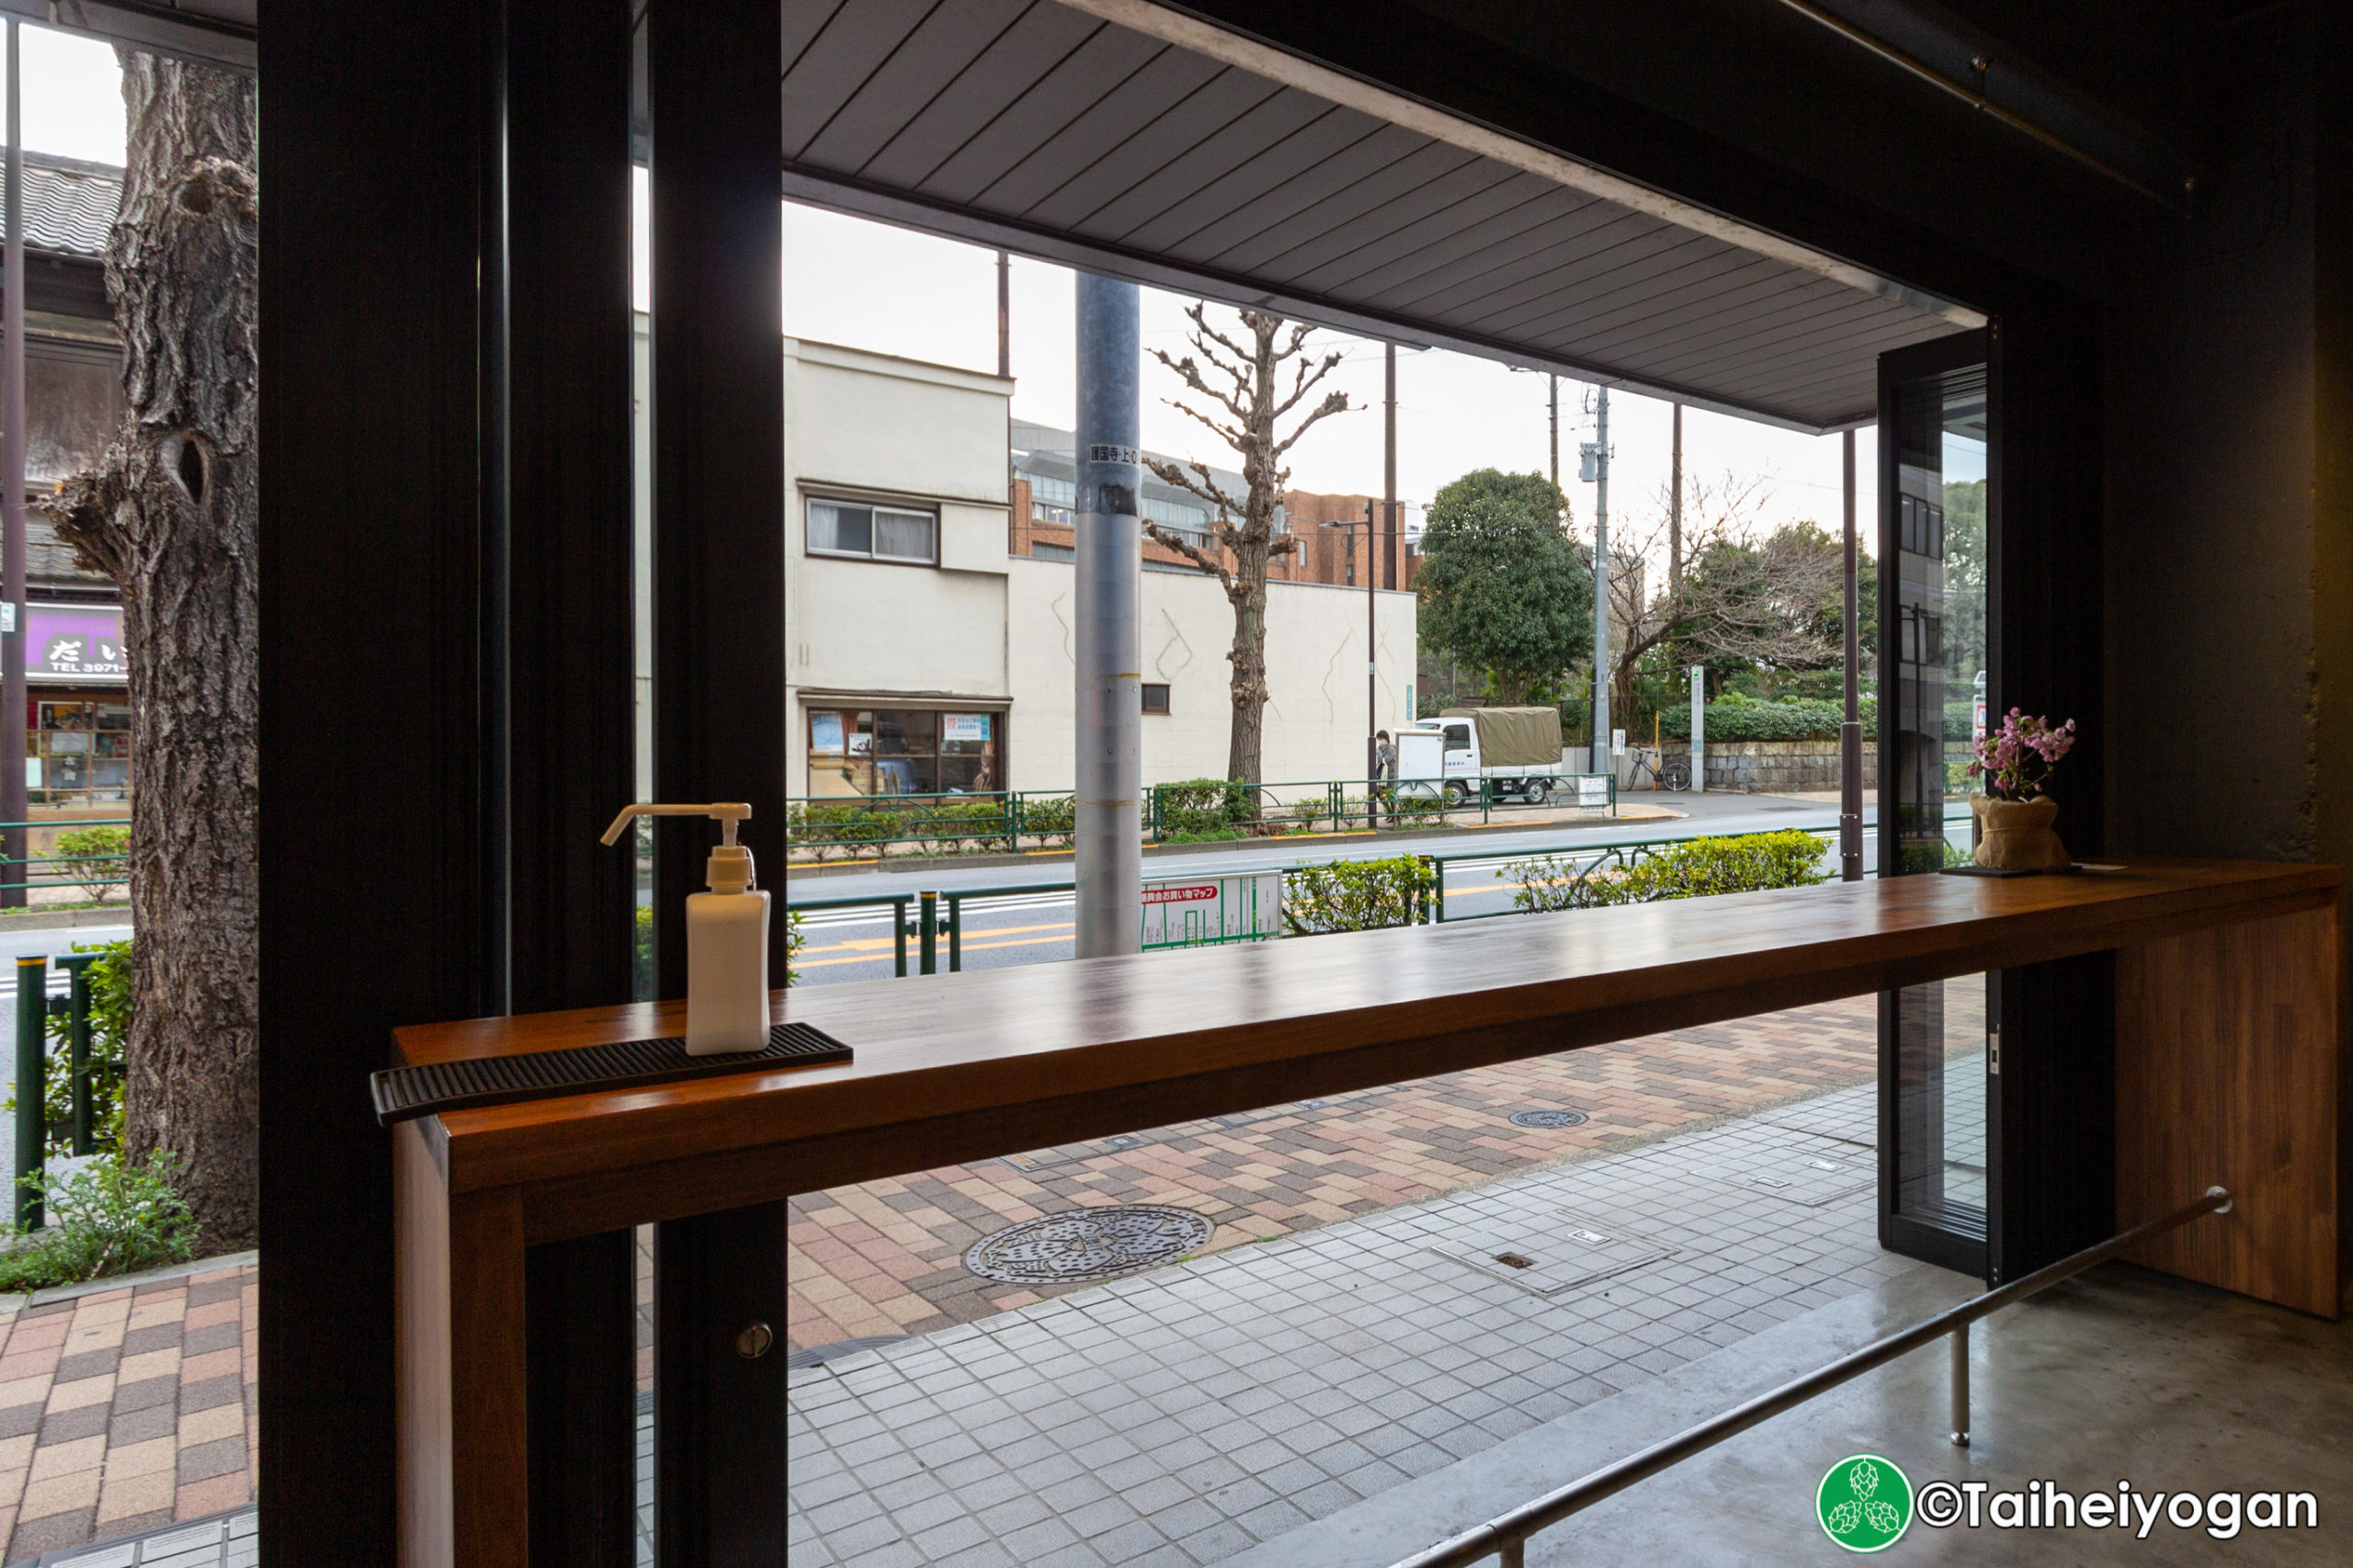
x=850, y=281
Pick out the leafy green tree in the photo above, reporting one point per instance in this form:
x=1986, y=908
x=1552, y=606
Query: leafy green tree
x=1501, y=587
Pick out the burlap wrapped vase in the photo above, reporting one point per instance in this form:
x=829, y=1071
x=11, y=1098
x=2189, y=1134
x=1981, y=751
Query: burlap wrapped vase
x=2017, y=835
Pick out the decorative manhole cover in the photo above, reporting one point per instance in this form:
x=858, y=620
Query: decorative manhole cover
x=1547, y=1117
x=1087, y=1244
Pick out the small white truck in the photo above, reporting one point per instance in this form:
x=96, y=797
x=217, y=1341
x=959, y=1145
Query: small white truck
x=1519, y=748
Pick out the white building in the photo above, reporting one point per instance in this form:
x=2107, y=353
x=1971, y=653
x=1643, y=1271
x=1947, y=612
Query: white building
x=925, y=656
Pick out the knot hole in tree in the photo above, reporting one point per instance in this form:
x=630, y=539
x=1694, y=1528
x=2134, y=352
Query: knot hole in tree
x=191, y=471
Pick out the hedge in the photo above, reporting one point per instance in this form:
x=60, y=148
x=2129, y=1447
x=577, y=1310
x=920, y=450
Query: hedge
x=1693, y=868
x=1356, y=895
x=1739, y=718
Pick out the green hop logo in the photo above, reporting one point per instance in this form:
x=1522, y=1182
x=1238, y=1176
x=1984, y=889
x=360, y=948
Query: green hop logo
x=1864, y=1503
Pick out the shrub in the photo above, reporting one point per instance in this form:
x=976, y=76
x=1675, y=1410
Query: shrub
x=1694, y=868
x=1055, y=819
x=1935, y=856
x=93, y=858
x=110, y=1217
x=1203, y=806
x=793, y=936
x=851, y=826
x=110, y=1032
x=1738, y=718
x=1356, y=895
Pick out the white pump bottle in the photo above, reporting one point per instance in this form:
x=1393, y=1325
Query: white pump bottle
x=727, y=938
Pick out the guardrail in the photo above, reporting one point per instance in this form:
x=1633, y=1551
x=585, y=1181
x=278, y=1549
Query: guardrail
x=1505, y=1538
x=88, y=872
x=933, y=919
x=1011, y=820
x=1204, y=810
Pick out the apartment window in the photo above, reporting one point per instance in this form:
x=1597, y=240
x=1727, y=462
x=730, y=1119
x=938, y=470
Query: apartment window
x=876, y=533
x=1155, y=697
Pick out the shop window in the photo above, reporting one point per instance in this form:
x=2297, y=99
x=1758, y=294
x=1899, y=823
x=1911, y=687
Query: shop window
x=904, y=751
x=1155, y=698
x=875, y=533
x=78, y=754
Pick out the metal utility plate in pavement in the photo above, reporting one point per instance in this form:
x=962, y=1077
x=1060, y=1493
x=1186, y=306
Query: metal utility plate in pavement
x=1797, y=1167
x=1835, y=1116
x=1562, y=1251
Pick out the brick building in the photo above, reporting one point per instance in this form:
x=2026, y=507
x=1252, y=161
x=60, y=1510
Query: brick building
x=1042, y=523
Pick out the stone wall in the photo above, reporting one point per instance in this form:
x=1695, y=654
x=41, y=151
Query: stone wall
x=1777, y=768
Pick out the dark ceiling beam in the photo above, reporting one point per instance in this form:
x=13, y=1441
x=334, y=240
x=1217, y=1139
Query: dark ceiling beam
x=213, y=32
x=1950, y=55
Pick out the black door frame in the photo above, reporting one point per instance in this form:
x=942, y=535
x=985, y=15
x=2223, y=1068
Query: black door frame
x=1898, y=1231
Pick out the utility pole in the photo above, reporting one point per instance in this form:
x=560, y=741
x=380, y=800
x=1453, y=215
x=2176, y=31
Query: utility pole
x=1851, y=734
x=1552, y=399
x=13, y=614
x=1004, y=314
x=1389, y=468
x=1601, y=760
x=1108, y=840
x=1674, y=509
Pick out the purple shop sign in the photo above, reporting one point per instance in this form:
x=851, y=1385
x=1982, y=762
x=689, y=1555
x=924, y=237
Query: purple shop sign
x=84, y=642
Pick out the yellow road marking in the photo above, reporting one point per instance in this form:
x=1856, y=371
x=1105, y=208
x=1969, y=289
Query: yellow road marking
x=969, y=947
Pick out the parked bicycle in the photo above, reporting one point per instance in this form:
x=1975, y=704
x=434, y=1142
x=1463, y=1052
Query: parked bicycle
x=1670, y=772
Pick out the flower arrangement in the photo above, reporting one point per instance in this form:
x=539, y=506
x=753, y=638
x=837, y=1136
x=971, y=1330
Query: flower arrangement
x=2017, y=758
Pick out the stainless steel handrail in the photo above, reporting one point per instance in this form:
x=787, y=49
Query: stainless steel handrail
x=1505, y=1535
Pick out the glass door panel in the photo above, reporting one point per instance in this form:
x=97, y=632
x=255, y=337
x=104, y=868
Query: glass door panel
x=1935, y=1069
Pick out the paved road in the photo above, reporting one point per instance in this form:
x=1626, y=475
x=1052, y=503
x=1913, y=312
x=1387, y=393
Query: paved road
x=856, y=944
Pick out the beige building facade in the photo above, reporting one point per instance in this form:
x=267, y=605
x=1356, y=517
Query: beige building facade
x=925, y=656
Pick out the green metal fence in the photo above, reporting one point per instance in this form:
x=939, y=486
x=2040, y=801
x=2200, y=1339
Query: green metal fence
x=35, y=1008
x=1202, y=810
x=90, y=872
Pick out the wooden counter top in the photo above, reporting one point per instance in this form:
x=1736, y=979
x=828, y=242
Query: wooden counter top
x=954, y=1067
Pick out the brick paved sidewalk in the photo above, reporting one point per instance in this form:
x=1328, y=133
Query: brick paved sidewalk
x=885, y=1257
x=126, y=1409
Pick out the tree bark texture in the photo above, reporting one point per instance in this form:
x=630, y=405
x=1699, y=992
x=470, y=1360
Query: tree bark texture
x=171, y=515
x=1248, y=399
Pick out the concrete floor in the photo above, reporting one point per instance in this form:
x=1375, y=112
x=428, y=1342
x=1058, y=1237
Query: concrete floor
x=2122, y=1375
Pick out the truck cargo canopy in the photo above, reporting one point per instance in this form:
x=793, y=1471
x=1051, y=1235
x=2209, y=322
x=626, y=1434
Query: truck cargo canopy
x=1515, y=737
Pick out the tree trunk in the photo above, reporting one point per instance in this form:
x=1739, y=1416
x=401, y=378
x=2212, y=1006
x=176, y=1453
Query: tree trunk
x=171, y=515
x=1244, y=756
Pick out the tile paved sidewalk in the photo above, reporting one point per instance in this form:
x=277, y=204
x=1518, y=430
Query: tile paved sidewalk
x=885, y=1257
x=126, y=1409
x=1179, y=1417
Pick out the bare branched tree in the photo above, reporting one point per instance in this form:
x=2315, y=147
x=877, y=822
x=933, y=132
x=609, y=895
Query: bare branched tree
x=1244, y=415
x=1760, y=600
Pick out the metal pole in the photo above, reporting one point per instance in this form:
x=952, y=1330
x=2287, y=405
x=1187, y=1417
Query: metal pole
x=13, y=627
x=1108, y=646
x=1851, y=734
x=928, y=932
x=32, y=1088
x=1961, y=1387
x=1601, y=760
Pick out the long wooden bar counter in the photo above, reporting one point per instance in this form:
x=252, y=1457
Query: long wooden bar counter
x=2229, y=1070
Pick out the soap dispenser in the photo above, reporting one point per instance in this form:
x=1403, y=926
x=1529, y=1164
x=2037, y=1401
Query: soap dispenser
x=727, y=938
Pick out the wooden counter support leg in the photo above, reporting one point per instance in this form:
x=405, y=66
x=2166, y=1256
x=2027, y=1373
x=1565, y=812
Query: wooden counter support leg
x=719, y=1388
x=2228, y=1068
x=464, y=1484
